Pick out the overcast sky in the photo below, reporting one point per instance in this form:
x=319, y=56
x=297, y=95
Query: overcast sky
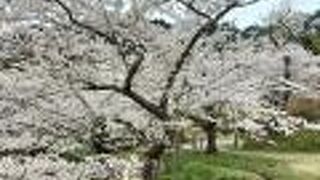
x=257, y=13
x=254, y=14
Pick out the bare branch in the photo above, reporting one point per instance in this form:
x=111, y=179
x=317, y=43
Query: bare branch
x=32, y=151
x=95, y=87
x=248, y=3
x=133, y=70
x=194, y=9
x=140, y=100
x=149, y=106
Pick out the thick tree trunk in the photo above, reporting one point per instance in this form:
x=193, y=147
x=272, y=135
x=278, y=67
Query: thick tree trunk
x=211, y=132
x=150, y=169
x=236, y=138
x=287, y=74
x=152, y=162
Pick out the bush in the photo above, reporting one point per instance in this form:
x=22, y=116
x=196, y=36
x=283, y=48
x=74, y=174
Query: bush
x=312, y=42
x=77, y=153
x=306, y=107
x=301, y=141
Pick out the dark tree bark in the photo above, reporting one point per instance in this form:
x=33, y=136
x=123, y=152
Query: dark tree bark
x=236, y=138
x=287, y=75
x=208, y=126
x=211, y=132
x=152, y=162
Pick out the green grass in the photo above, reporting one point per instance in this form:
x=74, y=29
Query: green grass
x=301, y=141
x=224, y=166
x=295, y=157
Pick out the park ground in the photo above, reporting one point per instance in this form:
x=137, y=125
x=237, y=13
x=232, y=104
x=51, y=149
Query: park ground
x=242, y=165
x=295, y=157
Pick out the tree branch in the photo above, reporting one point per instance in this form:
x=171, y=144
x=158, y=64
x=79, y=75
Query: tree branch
x=141, y=136
x=125, y=47
x=133, y=70
x=95, y=87
x=197, y=119
x=32, y=151
x=149, y=106
x=194, y=9
x=112, y=37
x=140, y=100
x=290, y=31
x=272, y=38
x=248, y=3
x=210, y=25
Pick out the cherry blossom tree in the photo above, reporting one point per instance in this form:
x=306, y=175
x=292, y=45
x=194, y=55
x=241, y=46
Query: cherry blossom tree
x=115, y=63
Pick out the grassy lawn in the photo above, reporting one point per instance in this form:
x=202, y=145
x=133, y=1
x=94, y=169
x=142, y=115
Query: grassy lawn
x=301, y=141
x=242, y=165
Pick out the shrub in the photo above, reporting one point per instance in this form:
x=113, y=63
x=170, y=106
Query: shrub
x=77, y=153
x=312, y=42
x=305, y=107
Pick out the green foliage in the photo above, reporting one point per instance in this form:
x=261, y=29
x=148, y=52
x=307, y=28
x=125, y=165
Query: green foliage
x=223, y=166
x=301, y=141
x=312, y=42
x=77, y=153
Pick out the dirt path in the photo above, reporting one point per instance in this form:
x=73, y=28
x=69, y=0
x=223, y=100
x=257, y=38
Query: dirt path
x=304, y=165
